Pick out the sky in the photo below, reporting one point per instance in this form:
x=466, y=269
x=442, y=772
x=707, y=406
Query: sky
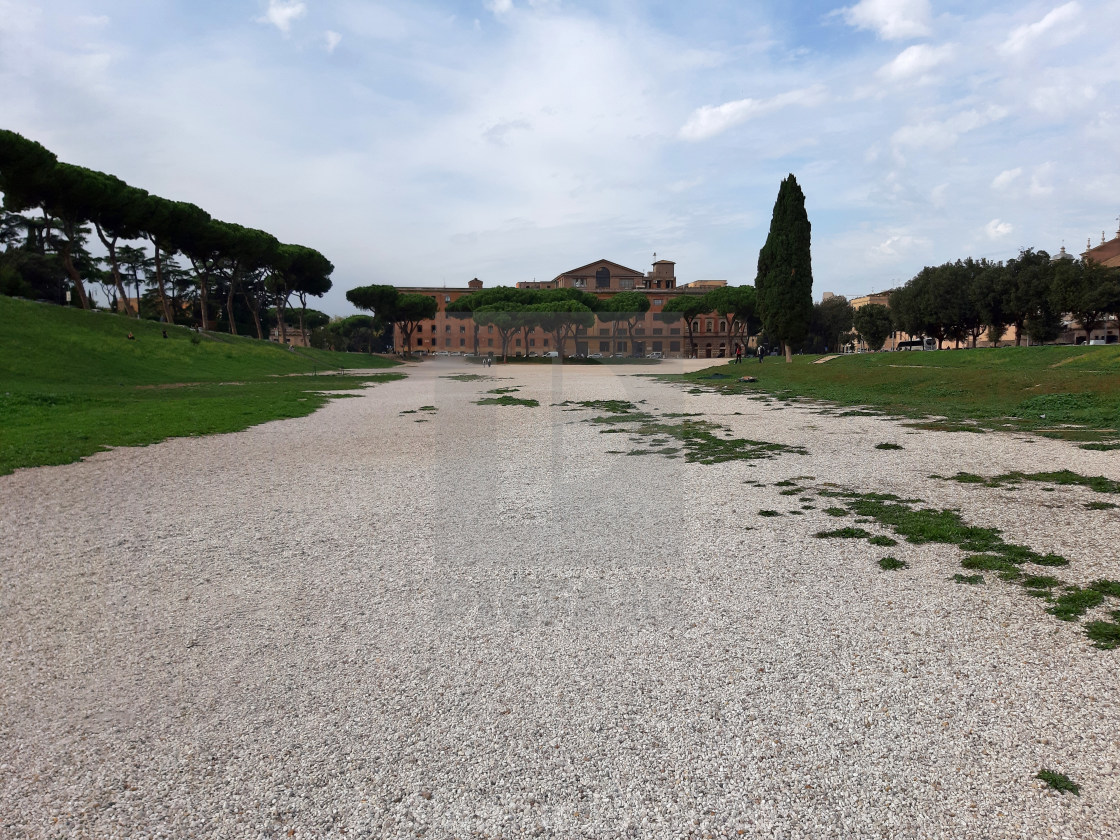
x=426, y=143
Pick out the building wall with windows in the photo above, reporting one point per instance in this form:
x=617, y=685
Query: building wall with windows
x=452, y=333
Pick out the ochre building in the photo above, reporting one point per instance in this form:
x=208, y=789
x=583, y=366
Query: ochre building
x=454, y=334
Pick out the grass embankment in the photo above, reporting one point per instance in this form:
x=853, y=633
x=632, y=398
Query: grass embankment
x=71, y=383
x=1067, y=392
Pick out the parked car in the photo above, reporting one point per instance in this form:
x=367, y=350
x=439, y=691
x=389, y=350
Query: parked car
x=595, y=356
x=442, y=353
x=551, y=354
x=656, y=354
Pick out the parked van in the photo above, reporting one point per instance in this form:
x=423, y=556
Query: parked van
x=551, y=354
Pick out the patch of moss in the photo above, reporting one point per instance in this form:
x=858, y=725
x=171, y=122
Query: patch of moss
x=881, y=540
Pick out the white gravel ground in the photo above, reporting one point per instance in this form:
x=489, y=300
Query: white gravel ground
x=484, y=625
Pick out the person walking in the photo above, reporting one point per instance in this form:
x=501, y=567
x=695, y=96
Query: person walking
x=738, y=354
x=761, y=353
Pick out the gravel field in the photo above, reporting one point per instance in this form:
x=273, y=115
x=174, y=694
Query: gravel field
x=490, y=624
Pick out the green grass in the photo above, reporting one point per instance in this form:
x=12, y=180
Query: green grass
x=842, y=533
x=1059, y=781
x=1020, y=388
x=1096, y=483
x=891, y=564
x=1105, y=634
x=883, y=541
x=971, y=580
x=71, y=384
x=768, y=513
x=506, y=399
x=1074, y=602
x=887, y=446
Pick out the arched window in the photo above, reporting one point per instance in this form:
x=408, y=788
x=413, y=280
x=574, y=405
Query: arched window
x=711, y=324
x=723, y=326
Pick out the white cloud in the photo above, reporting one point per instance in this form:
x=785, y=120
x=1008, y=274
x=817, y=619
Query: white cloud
x=1006, y=178
x=944, y=133
x=996, y=229
x=499, y=7
x=892, y=20
x=1060, y=25
x=710, y=120
x=915, y=61
x=333, y=39
x=281, y=14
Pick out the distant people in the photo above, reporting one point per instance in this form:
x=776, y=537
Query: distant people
x=738, y=354
x=761, y=353
x=131, y=337
x=165, y=333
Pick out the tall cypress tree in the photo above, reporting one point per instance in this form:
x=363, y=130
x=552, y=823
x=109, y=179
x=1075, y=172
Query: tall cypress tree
x=785, y=272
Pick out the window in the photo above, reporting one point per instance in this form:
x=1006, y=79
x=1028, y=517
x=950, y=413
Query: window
x=419, y=341
x=489, y=342
x=674, y=330
x=657, y=301
x=603, y=278
x=604, y=347
x=532, y=342
x=620, y=347
x=658, y=331
x=626, y=283
x=447, y=328
x=517, y=342
x=462, y=328
x=447, y=298
x=490, y=328
x=657, y=347
x=696, y=326
x=674, y=347
x=710, y=325
x=462, y=342
x=639, y=330
x=604, y=331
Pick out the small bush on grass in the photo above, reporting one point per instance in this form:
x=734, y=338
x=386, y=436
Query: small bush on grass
x=881, y=540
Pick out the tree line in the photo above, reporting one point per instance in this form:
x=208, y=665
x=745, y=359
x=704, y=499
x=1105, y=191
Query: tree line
x=962, y=300
x=52, y=208
x=563, y=313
